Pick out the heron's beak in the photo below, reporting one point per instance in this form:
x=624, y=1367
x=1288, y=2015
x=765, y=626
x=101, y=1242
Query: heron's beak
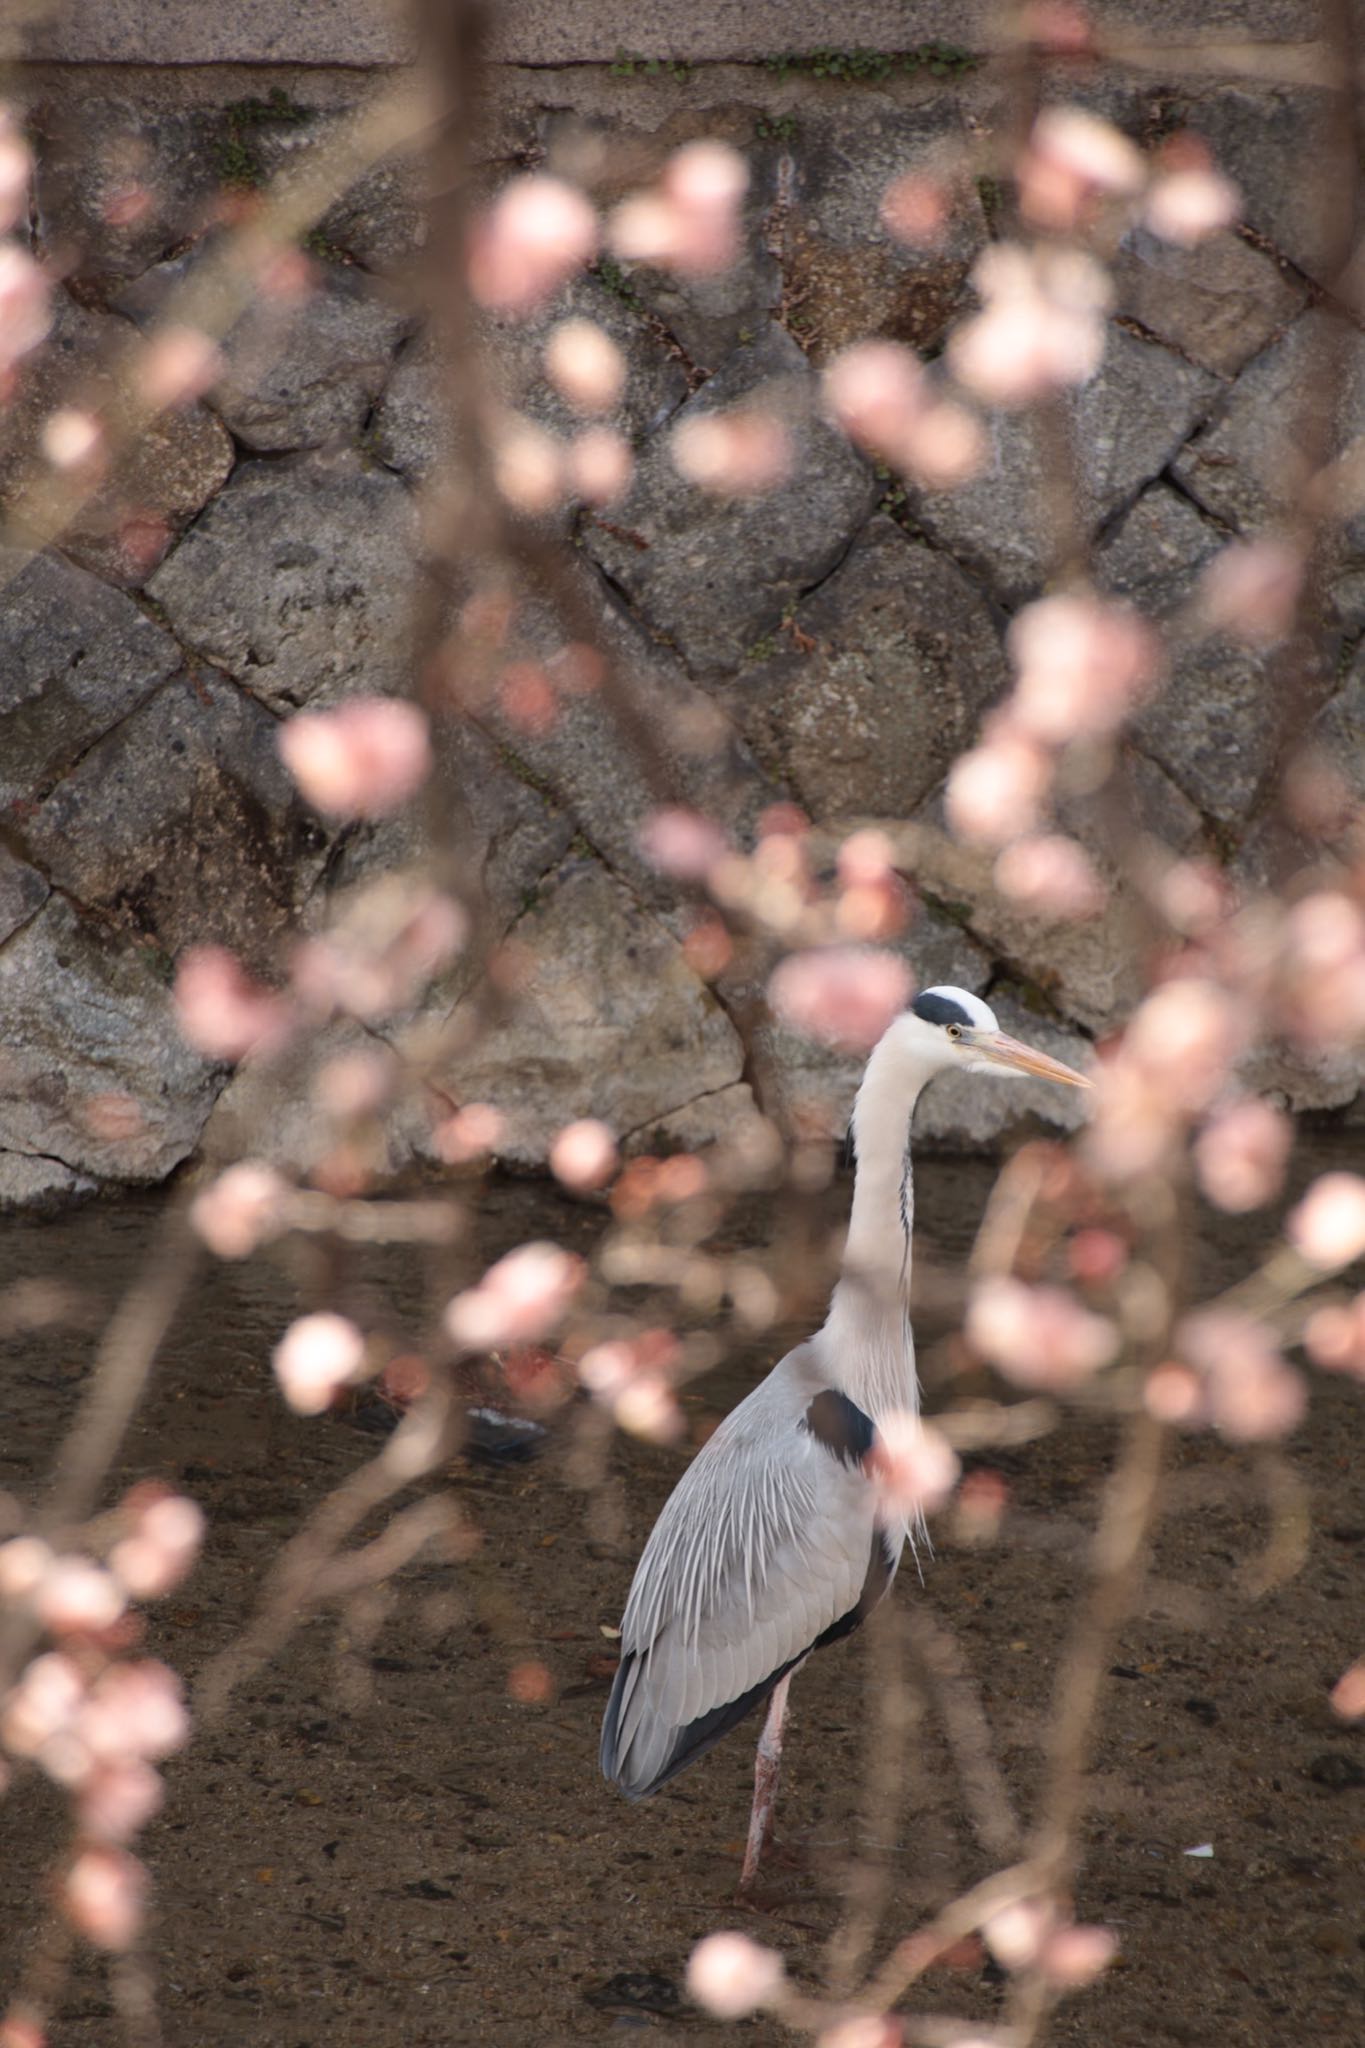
x=1008, y=1052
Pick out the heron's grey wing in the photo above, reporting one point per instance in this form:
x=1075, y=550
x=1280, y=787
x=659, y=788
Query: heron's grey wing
x=766, y=1549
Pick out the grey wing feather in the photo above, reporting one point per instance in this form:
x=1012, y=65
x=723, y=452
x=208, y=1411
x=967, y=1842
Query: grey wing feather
x=761, y=1549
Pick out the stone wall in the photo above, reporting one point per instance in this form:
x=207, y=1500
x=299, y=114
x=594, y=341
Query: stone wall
x=847, y=631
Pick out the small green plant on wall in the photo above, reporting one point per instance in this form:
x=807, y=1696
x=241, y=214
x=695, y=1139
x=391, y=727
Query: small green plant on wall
x=625, y=65
x=872, y=67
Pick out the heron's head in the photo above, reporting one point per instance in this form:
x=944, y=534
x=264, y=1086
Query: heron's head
x=947, y=1028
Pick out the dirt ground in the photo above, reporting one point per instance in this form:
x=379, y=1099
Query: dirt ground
x=384, y=1845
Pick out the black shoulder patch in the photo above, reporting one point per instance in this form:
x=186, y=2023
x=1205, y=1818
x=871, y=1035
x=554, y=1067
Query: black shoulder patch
x=840, y=1425
x=935, y=1009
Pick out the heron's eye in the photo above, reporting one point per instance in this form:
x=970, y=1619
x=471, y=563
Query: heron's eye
x=954, y=1030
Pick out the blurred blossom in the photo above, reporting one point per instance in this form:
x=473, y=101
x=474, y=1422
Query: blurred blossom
x=1334, y=1337
x=583, y=1155
x=534, y=236
x=388, y=940
x=883, y=2030
x=841, y=995
x=915, y=210
x=15, y=167
x=1074, y=1956
x=1250, y=589
x=731, y=1976
x=1183, y=1039
x=1348, y=1694
x=1324, y=969
x=135, y=1710
x=707, y=948
x=599, y=465
x=1042, y=328
x=526, y=698
x=873, y=390
x=530, y=1684
x=355, y=1084
x=1096, y=1257
x=647, y=1408
x=221, y=1011
x=104, y=1897
x=1173, y=1394
x=1037, y=1336
x=528, y=466
x=1193, y=895
x=1064, y=30
x=980, y=1507
x=681, y=843
x=913, y=1467
x=690, y=222
x=240, y=1210
x=160, y=1550
x=23, y=1562
x=943, y=447
x=76, y=1597
x=1187, y=206
x=1050, y=876
x=1083, y=665
x=25, y=313
x=1072, y=158
x=996, y=790
x=177, y=365
x=519, y=1299
x=1015, y=1933
x=471, y=1133
x=43, y=1705
x=737, y=454
x=585, y=365
x=71, y=437
x=115, y=1800
x=1328, y=1226
x=362, y=759
x=1240, y=1155
x=648, y=1183
x=866, y=858
x=1252, y=1395
x=315, y=1359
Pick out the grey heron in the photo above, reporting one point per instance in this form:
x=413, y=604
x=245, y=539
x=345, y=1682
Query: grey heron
x=771, y=1546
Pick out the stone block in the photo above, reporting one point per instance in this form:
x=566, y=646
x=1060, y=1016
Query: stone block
x=23, y=892
x=298, y=580
x=713, y=575
x=122, y=181
x=1277, y=145
x=1219, y=304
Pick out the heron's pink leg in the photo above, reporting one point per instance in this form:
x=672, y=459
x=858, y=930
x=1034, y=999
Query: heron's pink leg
x=767, y=1764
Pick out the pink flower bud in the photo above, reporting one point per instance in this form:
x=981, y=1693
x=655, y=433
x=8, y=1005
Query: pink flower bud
x=16, y=165
x=1250, y=590
x=316, y=1358
x=45, y=1703
x=1328, y=1226
x=116, y=1799
x=519, y=1299
x=585, y=366
x=25, y=312
x=1015, y=1933
x=842, y=995
x=1183, y=1039
x=240, y=1210
x=76, y=1597
x=646, y=1407
x=1348, y=1694
x=1050, y=876
x=1042, y=327
x=1173, y=1394
x=1241, y=1153
x=1186, y=207
x=104, y=1897
x=681, y=843
x=178, y=365
x=691, y=223
x=1324, y=969
x=913, y=1467
x=1252, y=1395
x=1083, y=665
x=584, y=1155
x=599, y=466
x=915, y=210
x=873, y=391
x=996, y=790
x=24, y=1561
x=471, y=1133
x=732, y=1976
x=528, y=466
x=135, y=1710
x=1334, y=1337
x=738, y=454
x=166, y=1540
x=1075, y=1956
x=1072, y=158
x=537, y=232
x=221, y=1011
x=361, y=760
x=1038, y=1337
x=71, y=438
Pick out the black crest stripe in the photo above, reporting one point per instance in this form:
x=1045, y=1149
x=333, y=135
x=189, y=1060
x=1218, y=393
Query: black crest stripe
x=939, y=1010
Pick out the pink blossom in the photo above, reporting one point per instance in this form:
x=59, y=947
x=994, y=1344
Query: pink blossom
x=177, y=366
x=1075, y=1956
x=389, y=941
x=116, y=1799
x=1250, y=589
x=44, y=1704
x=166, y=1538
x=357, y=1084
x=944, y=446
x=1193, y=895
x=915, y=210
x=873, y=391
x=104, y=1897
x=1015, y=1933
x=240, y=1210
x=913, y=1466
x=1183, y=1039
x=585, y=366
x=71, y=438
x=18, y=2030
x=1173, y=1394
x=1050, y=876
x=76, y=1597
x=537, y=233
x=135, y=1710
x=647, y=1407
x=1252, y=1395
x=732, y=1976
x=1083, y=665
x=1324, y=968
x=599, y=466
x=361, y=760
x=1187, y=206
x=866, y=858
x=221, y=1011
x=25, y=312
x=16, y=164
x=1334, y=1337
x=882, y=2030
x=316, y=1358
x=1038, y=1336
x=24, y=1561
x=1348, y=1694
x=1073, y=157
x=1240, y=1155
x=681, y=843
x=690, y=224
x=1042, y=327
x=842, y=995
x=528, y=466
x=583, y=1155
x=526, y=698
x=995, y=791
x=471, y=1133
x=736, y=454
x=519, y=1300
x=1328, y=1226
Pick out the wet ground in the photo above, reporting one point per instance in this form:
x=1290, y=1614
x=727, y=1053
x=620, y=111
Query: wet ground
x=387, y=1842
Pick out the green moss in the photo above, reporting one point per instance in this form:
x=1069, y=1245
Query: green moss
x=762, y=650
x=610, y=275
x=992, y=197
x=626, y=65
x=776, y=128
x=238, y=159
x=873, y=67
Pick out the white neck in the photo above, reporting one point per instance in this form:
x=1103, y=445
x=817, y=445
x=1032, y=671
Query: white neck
x=866, y=1340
